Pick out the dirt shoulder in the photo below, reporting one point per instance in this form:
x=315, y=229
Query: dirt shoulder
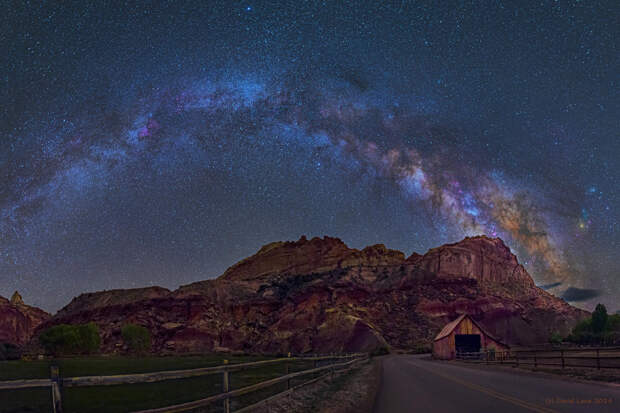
x=353, y=391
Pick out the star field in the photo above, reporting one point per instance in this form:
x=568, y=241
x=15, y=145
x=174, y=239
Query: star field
x=159, y=143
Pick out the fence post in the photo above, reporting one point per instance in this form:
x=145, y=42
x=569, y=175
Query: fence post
x=598, y=360
x=562, y=354
x=487, y=356
x=56, y=395
x=226, y=389
x=288, y=370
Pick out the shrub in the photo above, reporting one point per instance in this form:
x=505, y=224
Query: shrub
x=137, y=338
x=65, y=339
x=613, y=323
x=422, y=349
x=9, y=351
x=555, y=338
x=380, y=351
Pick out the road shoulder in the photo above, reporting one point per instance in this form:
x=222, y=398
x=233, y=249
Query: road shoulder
x=568, y=375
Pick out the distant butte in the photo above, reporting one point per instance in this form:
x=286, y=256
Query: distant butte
x=18, y=321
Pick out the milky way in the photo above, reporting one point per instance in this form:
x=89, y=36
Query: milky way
x=169, y=176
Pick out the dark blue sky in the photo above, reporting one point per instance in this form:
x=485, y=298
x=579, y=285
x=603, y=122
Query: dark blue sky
x=159, y=143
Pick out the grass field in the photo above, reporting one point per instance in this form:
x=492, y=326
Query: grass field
x=104, y=366
x=124, y=398
x=25, y=400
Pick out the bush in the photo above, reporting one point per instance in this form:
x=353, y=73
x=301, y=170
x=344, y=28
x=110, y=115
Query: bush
x=66, y=339
x=137, y=338
x=555, y=338
x=9, y=351
x=613, y=323
x=422, y=349
x=380, y=351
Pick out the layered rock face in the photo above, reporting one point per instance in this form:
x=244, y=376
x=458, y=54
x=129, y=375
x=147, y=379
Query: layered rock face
x=321, y=296
x=484, y=259
x=18, y=321
x=110, y=299
x=305, y=257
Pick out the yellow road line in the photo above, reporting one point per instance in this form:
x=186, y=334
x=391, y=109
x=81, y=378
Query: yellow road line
x=493, y=393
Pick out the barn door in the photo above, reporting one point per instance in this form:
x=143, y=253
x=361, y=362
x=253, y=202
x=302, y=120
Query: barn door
x=467, y=343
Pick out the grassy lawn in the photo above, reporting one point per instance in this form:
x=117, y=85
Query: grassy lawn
x=124, y=398
x=246, y=378
x=17, y=369
x=104, y=366
x=25, y=400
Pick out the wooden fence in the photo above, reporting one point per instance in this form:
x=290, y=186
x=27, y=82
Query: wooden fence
x=335, y=363
x=583, y=357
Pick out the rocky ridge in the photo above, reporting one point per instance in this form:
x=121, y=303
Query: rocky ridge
x=319, y=295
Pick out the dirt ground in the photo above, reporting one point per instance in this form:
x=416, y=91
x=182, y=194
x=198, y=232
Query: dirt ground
x=353, y=391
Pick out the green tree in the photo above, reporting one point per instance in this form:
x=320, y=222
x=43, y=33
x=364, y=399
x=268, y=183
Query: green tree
x=137, y=338
x=599, y=319
x=66, y=339
x=88, y=338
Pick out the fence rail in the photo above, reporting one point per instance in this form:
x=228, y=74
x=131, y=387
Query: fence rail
x=56, y=382
x=244, y=390
x=598, y=357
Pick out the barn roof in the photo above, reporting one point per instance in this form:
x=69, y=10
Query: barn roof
x=448, y=328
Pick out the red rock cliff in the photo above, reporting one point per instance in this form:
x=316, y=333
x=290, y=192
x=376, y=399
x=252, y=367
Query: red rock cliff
x=319, y=295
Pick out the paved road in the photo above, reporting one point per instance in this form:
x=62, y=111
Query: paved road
x=418, y=384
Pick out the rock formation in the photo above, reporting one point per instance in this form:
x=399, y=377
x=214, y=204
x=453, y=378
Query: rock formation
x=16, y=299
x=319, y=295
x=18, y=321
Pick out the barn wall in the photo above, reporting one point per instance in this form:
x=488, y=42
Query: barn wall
x=492, y=344
x=442, y=349
x=445, y=348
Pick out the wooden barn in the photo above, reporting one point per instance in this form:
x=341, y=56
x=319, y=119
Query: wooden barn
x=464, y=335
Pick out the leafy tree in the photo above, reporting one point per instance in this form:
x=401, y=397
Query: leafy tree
x=66, y=339
x=555, y=338
x=601, y=328
x=599, y=319
x=137, y=338
x=88, y=338
x=60, y=339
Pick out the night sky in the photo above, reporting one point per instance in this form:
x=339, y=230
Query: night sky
x=157, y=144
